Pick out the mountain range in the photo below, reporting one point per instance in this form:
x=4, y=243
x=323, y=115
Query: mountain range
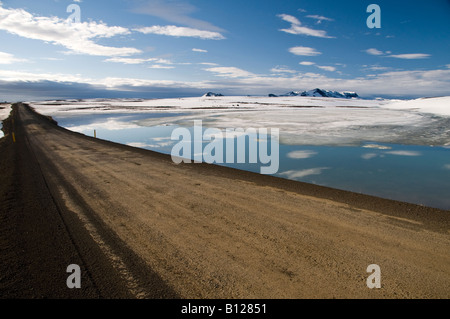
x=311, y=93
x=211, y=94
x=321, y=93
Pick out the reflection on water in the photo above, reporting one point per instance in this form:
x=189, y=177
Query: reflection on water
x=416, y=174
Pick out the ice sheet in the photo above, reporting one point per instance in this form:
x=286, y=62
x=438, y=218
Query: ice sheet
x=301, y=120
x=200, y=103
x=438, y=105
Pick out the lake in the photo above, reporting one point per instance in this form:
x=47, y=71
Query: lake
x=410, y=173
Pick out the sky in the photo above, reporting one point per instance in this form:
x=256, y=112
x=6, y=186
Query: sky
x=60, y=49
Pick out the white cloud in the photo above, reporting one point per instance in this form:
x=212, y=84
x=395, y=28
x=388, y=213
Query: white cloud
x=301, y=154
x=157, y=66
x=208, y=63
x=18, y=76
x=374, y=51
x=109, y=82
x=327, y=68
x=282, y=69
x=447, y=166
x=410, y=56
x=404, y=153
x=289, y=18
x=306, y=31
x=77, y=37
x=117, y=83
x=164, y=61
x=230, y=72
x=378, y=147
x=139, y=145
x=425, y=83
x=52, y=59
x=306, y=63
x=399, y=83
x=322, y=67
x=174, y=31
x=297, y=28
x=174, y=11
x=448, y=66
x=296, y=174
x=200, y=50
x=159, y=139
x=128, y=60
x=305, y=51
x=376, y=68
x=319, y=18
x=137, y=60
x=145, y=145
x=6, y=58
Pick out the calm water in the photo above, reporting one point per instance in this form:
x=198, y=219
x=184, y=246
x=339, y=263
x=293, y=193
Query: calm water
x=416, y=174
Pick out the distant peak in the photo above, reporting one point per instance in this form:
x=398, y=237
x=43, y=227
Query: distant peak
x=211, y=94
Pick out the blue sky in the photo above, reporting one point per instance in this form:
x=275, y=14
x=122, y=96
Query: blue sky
x=174, y=48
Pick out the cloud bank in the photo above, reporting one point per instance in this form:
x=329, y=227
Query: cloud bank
x=76, y=37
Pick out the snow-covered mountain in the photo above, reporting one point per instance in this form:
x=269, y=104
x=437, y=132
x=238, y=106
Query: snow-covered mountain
x=211, y=94
x=321, y=93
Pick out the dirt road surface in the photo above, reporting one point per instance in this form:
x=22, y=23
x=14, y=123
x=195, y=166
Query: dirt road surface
x=140, y=226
